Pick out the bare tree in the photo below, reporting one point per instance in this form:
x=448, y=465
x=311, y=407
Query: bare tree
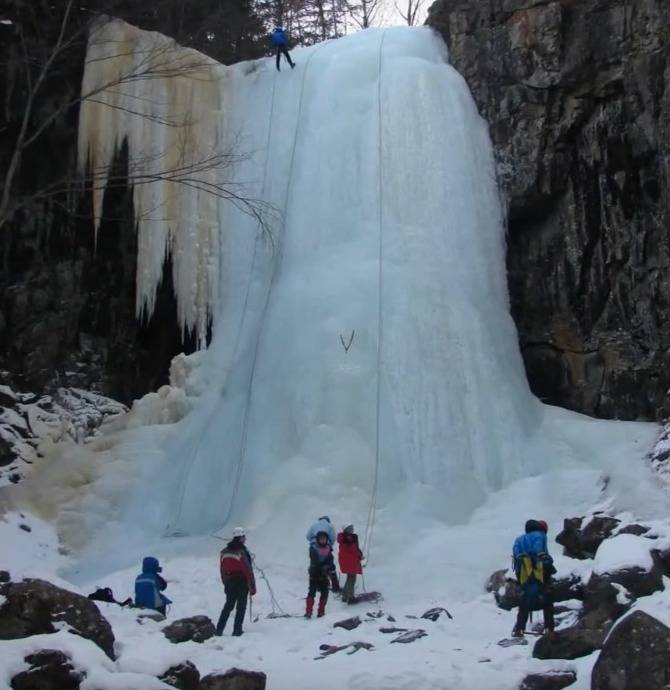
x=75, y=25
x=410, y=11
x=365, y=13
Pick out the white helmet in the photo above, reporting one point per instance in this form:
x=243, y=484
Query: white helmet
x=239, y=532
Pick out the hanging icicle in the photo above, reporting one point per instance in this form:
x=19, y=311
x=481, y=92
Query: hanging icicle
x=165, y=101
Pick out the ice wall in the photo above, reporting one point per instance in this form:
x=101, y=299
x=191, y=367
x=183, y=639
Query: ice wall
x=363, y=352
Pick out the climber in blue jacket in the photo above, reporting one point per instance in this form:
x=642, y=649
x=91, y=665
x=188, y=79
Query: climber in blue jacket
x=149, y=585
x=280, y=42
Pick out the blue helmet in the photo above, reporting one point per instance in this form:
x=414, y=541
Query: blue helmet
x=151, y=565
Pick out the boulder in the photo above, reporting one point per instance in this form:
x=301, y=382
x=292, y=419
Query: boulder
x=638, y=581
x=194, y=629
x=505, y=589
x=184, y=676
x=565, y=588
x=635, y=656
x=34, y=607
x=49, y=670
x=662, y=560
x=5, y=576
x=583, y=541
x=234, y=679
x=603, y=605
x=626, y=559
x=635, y=529
x=550, y=680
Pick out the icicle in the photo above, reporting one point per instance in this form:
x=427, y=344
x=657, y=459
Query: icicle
x=165, y=101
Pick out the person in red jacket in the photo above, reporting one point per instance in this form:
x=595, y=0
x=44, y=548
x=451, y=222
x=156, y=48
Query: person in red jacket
x=238, y=580
x=349, y=557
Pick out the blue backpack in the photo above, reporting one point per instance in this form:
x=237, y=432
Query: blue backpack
x=279, y=37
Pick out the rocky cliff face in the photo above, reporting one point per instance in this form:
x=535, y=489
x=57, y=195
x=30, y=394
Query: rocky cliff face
x=577, y=95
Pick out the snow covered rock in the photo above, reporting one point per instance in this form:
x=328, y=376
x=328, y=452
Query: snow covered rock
x=582, y=541
x=348, y=623
x=635, y=656
x=184, y=676
x=49, y=670
x=27, y=419
x=34, y=607
x=566, y=588
x=551, y=680
x=234, y=679
x=627, y=560
x=195, y=629
x=660, y=454
x=662, y=560
x=604, y=603
x=505, y=589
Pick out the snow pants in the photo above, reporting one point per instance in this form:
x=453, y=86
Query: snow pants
x=318, y=583
x=547, y=611
x=237, y=591
x=282, y=50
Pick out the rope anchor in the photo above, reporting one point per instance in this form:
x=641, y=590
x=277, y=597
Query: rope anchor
x=347, y=345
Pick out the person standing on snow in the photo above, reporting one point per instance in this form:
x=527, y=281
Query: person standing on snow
x=280, y=43
x=238, y=580
x=533, y=567
x=321, y=567
x=323, y=525
x=149, y=585
x=349, y=556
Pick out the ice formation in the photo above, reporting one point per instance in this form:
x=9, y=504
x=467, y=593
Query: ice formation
x=165, y=101
x=363, y=354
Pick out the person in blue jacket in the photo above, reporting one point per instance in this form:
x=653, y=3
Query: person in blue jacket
x=533, y=567
x=149, y=586
x=280, y=43
x=323, y=525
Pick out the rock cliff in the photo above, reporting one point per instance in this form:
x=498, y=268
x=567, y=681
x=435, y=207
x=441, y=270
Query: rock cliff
x=577, y=96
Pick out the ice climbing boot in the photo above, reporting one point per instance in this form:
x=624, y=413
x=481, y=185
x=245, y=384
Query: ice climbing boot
x=309, y=607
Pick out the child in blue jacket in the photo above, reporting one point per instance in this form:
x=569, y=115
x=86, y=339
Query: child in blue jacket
x=149, y=586
x=280, y=43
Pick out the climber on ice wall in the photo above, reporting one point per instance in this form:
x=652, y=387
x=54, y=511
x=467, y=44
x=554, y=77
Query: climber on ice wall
x=280, y=43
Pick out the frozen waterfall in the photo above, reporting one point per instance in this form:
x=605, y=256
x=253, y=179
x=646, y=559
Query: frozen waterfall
x=363, y=350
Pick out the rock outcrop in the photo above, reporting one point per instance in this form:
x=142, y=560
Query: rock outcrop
x=35, y=607
x=577, y=96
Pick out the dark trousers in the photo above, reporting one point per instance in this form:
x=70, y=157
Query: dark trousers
x=547, y=611
x=281, y=50
x=237, y=591
x=349, y=587
x=319, y=584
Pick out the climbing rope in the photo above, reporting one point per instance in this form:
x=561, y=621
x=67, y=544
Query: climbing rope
x=273, y=277
x=187, y=466
x=369, y=527
x=277, y=610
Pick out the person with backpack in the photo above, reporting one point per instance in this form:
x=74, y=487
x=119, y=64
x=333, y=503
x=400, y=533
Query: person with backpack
x=321, y=567
x=238, y=580
x=280, y=43
x=149, y=586
x=350, y=559
x=323, y=525
x=534, y=568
